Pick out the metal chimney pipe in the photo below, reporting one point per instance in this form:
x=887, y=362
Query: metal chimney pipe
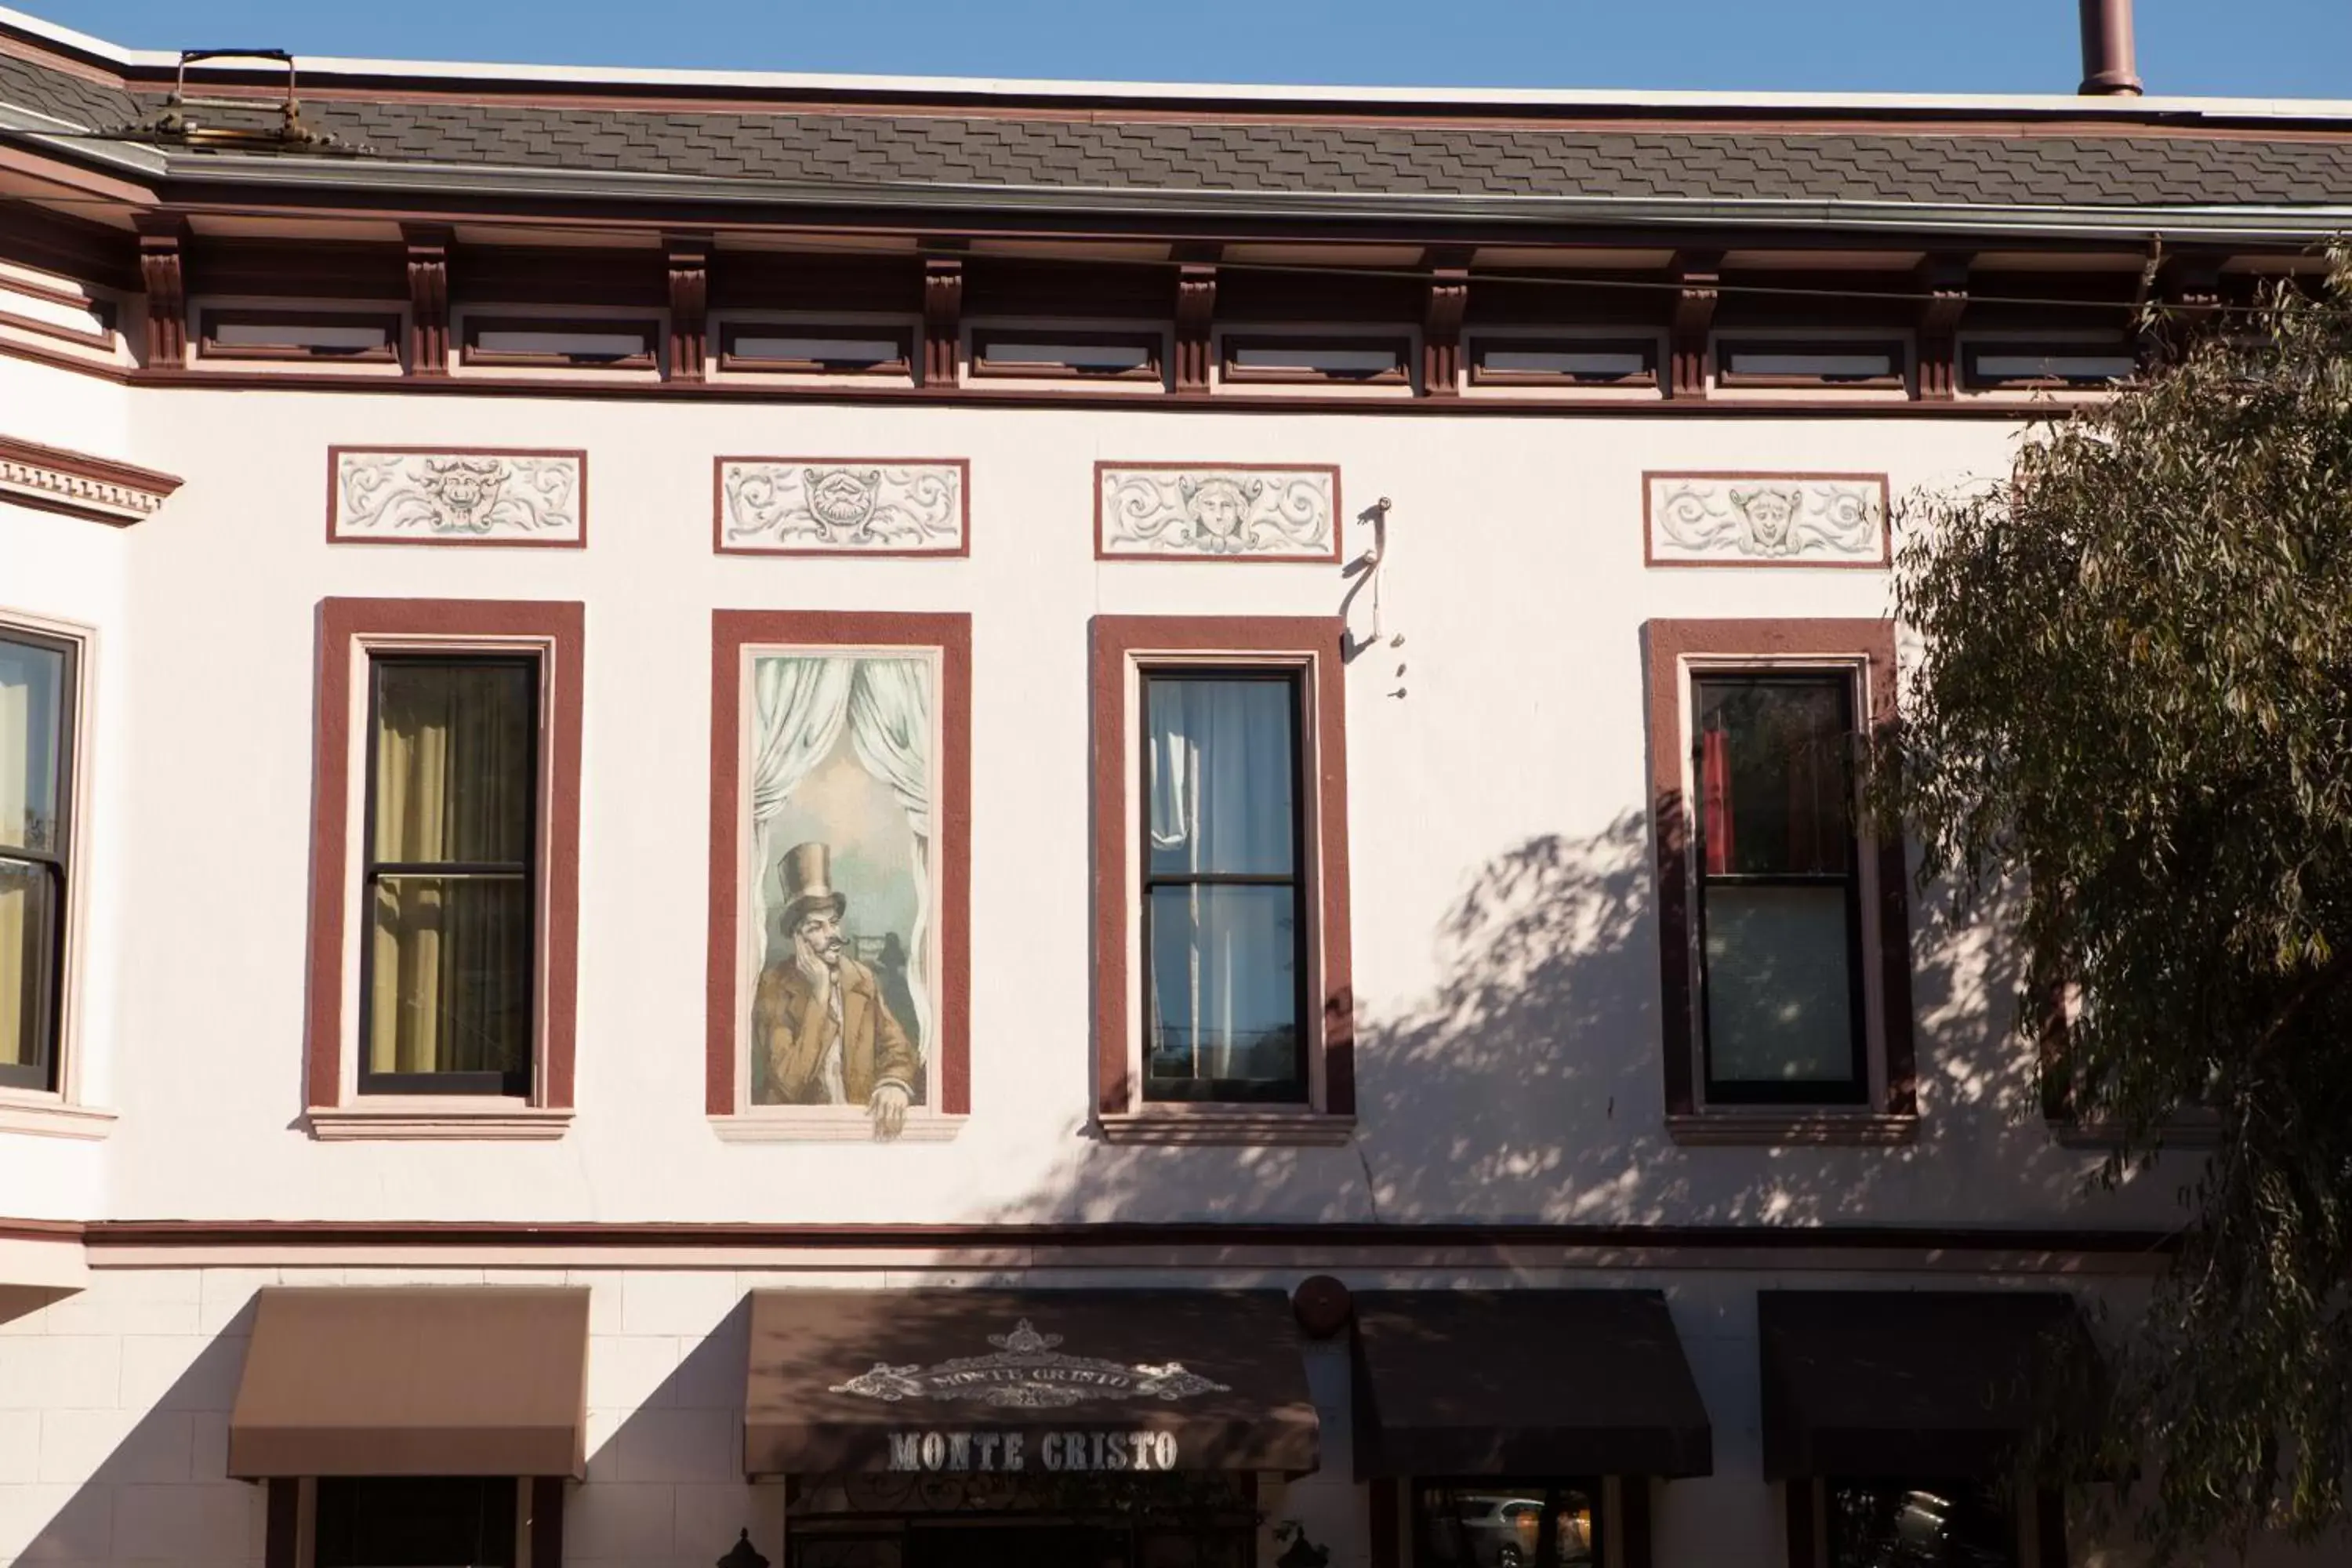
x=2109, y=67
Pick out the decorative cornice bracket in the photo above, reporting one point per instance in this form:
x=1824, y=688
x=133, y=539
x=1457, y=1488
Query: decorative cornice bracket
x=1943, y=284
x=690, y=304
x=428, y=298
x=1196, y=317
x=1699, y=278
x=1441, y=325
x=942, y=317
x=162, y=274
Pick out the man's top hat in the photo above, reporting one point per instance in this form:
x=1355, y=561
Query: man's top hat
x=808, y=883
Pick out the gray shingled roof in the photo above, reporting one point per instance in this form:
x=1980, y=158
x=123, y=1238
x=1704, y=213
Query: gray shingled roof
x=866, y=149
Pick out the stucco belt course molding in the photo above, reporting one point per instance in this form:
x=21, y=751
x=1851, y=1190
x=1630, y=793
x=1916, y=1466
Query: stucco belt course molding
x=1765, y=520
x=85, y=485
x=841, y=506
x=456, y=495
x=1212, y=511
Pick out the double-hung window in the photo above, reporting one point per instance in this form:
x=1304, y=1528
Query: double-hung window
x=1784, y=928
x=450, y=884
x=38, y=676
x=1223, y=884
x=1224, y=1007
x=445, y=874
x=1779, y=907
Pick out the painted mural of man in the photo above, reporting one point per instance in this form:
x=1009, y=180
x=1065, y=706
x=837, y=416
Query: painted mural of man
x=818, y=1019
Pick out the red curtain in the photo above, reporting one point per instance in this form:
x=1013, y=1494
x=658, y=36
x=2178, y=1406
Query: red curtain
x=1714, y=799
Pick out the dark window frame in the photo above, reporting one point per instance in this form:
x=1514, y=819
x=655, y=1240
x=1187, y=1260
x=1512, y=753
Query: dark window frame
x=1484, y=343
x=512, y=1085
x=46, y=1075
x=212, y=318
x=1231, y=344
x=1975, y=351
x=1896, y=351
x=2013, y=1512
x=645, y=356
x=733, y=330
x=1299, y=1089
x=1153, y=370
x=1547, y=1489
x=1854, y=1089
x=506, y=1489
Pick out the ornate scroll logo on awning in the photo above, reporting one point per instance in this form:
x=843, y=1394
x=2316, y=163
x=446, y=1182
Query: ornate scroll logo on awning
x=1028, y=1373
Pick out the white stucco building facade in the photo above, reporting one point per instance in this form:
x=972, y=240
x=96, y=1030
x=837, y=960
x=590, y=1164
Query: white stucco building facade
x=1522, y=478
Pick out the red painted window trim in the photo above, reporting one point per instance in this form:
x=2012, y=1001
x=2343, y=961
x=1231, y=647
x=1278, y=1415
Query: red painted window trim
x=341, y=623
x=1668, y=642
x=730, y=630
x=1118, y=639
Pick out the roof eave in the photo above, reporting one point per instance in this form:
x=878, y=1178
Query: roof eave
x=2270, y=225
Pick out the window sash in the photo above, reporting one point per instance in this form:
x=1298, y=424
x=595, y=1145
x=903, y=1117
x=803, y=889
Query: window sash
x=1440, y=1539
x=1296, y=1088
x=1935, y=1522
x=40, y=1007
x=1853, y=1086
x=515, y=1082
x=485, y=1508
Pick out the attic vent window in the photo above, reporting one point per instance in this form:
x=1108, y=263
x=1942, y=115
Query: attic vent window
x=1364, y=361
x=1769, y=363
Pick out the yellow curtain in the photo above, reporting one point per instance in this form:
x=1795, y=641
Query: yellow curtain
x=455, y=786
x=27, y=764
x=20, y=954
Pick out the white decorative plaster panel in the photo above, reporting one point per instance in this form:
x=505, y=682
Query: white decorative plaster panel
x=409, y=494
x=1206, y=511
x=843, y=506
x=1766, y=519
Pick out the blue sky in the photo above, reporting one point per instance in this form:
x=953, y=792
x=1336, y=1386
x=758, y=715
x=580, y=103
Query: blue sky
x=2250, y=47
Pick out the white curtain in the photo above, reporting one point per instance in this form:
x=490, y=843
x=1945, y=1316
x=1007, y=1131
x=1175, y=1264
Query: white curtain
x=1221, y=802
x=799, y=707
x=802, y=705
x=890, y=730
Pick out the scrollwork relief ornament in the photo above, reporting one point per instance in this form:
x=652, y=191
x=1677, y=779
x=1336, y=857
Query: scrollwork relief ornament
x=459, y=498
x=1768, y=520
x=1267, y=514
x=1028, y=1371
x=798, y=506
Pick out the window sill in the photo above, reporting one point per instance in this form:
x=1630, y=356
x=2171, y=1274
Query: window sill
x=2106, y=1135
x=47, y=1116
x=1775, y=1128
x=500, y=1122
x=816, y=1124
x=1298, y=1128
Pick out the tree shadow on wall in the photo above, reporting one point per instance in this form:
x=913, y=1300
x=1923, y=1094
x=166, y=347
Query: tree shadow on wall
x=1527, y=1084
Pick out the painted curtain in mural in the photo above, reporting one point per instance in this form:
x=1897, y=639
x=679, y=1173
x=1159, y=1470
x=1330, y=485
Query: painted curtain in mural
x=842, y=753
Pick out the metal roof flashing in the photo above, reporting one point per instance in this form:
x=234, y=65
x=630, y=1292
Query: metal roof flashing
x=1532, y=102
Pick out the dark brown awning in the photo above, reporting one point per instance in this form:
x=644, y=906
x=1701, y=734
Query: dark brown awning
x=1906, y=1382
x=1529, y=1383
x=1035, y=1381
x=444, y=1380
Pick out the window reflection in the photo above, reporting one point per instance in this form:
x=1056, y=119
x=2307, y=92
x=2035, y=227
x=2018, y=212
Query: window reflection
x=1491, y=1526
x=1920, y=1524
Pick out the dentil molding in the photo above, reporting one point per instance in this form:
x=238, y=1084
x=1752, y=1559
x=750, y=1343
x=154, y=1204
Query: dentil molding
x=1216, y=511
x=101, y=489
x=843, y=506
x=456, y=495
x=1766, y=519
